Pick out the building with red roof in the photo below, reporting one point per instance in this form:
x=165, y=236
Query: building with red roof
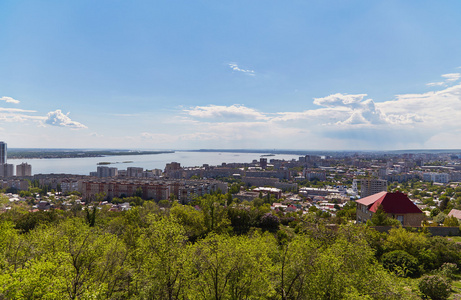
x=455, y=213
x=397, y=205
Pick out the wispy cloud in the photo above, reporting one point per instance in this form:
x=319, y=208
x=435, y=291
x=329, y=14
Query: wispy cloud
x=57, y=118
x=126, y=115
x=9, y=100
x=235, y=112
x=11, y=115
x=449, y=78
x=235, y=67
x=13, y=110
x=440, y=83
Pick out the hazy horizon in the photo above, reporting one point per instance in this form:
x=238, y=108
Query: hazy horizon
x=343, y=76
x=248, y=150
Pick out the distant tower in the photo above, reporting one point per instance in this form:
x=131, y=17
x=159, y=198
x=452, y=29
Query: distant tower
x=6, y=170
x=2, y=153
x=263, y=163
x=372, y=186
x=24, y=169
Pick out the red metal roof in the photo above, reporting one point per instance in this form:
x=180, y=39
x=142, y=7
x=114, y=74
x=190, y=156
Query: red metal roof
x=371, y=199
x=392, y=203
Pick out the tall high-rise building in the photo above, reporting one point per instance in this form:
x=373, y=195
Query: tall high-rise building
x=24, y=169
x=263, y=163
x=103, y=171
x=370, y=186
x=2, y=153
x=6, y=170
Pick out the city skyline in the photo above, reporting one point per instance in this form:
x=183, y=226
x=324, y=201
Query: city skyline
x=362, y=75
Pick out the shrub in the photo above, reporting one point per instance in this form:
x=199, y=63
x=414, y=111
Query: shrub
x=435, y=287
x=270, y=222
x=401, y=263
x=448, y=270
x=451, y=222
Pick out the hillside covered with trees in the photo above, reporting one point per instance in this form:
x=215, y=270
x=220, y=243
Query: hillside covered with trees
x=210, y=250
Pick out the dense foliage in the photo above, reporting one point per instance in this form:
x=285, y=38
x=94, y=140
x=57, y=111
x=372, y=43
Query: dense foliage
x=209, y=251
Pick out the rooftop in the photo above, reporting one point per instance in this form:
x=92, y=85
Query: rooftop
x=393, y=203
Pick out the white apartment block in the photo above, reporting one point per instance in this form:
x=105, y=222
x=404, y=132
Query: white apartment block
x=436, y=177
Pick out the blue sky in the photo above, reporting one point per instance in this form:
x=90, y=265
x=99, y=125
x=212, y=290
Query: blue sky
x=326, y=75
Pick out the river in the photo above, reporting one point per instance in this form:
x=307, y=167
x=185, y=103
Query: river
x=85, y=165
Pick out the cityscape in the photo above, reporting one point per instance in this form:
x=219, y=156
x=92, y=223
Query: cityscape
x=230, y=150
x=416, y=194
x=326, y=182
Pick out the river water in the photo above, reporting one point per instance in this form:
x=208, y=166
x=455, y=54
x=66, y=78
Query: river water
x=85, y=165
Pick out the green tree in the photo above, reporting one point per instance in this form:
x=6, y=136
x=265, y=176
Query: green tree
x=138, y=192
x=190, y=219
x=232, y=268
x=91, y=215
x=164, y=260
x=214, y=213
x=440, y=218
x=451, y=221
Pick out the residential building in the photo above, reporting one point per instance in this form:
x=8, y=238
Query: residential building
x=397, y=205
x=370, y=186
x=173, y=166
x=263, y=163
x=311, y=174
x=436, y=177
x=183, y=190
x=6, y=170
x=3, y=151
x=103, y=171
x=455, y=213
x=23, y=169
x=134, y=172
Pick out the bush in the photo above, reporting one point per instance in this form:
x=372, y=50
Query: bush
x=401, y=263
x=270, y=222
x=440, y=218
x=451, y=222
x=435, y=287
x=448, y=270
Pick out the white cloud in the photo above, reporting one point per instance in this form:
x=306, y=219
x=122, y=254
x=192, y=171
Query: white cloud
x=97, y=135
x=451, y=77
x=340, y=100
x=441, y=109
x=13, y=110
x=126, y=115
x=440, y=83
x=235, y=67
x=17, y=115
x=234, y=111
x=358, y=112
x=341, y=120
x=9, y=100
x=57, y=118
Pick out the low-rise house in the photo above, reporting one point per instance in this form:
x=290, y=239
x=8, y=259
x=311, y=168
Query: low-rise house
x=397, y=205
x=455, y=213
x=43, y=205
